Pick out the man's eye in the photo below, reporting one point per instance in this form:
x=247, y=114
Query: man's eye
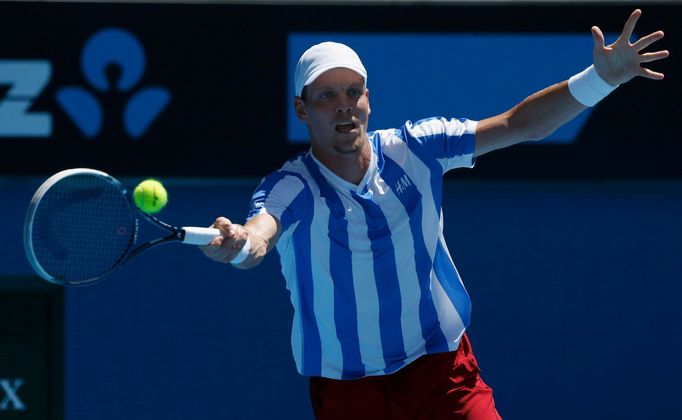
x=355, y=93
x=325, y=95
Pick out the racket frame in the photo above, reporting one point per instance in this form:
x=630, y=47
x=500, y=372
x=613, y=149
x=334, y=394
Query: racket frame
x=198, y=236
x=33, y=207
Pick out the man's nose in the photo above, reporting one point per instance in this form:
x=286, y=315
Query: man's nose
x=345, y=105
x=343, y=109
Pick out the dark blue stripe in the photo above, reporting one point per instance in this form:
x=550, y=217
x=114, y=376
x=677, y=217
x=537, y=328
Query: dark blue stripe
x=449, y=280
x=386, y=278
x=375, y=140
x=391, y=369
x=411, y=198
x=300, y=209
x=340, y=264
x=312, y=344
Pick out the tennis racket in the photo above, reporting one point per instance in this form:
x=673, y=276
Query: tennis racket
x=81, y=225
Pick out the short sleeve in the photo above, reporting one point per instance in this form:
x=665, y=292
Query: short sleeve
x=451, y=142
x=275, y=194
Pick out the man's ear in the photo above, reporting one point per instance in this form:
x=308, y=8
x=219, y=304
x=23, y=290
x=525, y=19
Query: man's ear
x=369, y=109
x=299, y=108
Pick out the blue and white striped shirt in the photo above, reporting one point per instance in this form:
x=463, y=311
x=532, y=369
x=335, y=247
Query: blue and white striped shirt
x=371, y=279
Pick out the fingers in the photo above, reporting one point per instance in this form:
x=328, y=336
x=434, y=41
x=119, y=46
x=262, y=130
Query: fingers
x=650, y=74
x=653, y=56
x=649, y=57
x=219, y=251
x=217, y=241
x=221, y=221
x=224, y=248
x=648, y=40
x=629, y=27
x=226, y=227
x=598, y=38
x=213, y=250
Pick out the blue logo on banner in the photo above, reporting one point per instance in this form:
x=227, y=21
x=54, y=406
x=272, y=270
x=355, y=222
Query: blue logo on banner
x=26, y=79
x=113, y=46
x=470, y=75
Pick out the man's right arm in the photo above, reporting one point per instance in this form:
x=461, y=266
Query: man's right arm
x=248, y=243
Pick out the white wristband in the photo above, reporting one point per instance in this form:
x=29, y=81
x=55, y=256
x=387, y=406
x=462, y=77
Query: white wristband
x=243, y=253
x=588, y=88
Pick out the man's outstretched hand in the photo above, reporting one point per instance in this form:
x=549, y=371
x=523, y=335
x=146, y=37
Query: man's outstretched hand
x=621, y=61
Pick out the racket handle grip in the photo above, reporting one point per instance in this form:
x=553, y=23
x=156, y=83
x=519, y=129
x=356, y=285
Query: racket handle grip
x=199, y=235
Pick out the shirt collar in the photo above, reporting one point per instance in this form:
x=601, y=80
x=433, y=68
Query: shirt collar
x=340, y=183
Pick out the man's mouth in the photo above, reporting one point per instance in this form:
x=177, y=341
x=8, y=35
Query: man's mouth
x=345, y=127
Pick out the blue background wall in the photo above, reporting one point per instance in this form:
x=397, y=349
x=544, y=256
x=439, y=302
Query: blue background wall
x=576, y=291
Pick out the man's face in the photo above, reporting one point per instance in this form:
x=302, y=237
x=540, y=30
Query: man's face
x=336, y=111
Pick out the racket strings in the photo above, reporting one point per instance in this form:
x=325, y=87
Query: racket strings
x=84, y=227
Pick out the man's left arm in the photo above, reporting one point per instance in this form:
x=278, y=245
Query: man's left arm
x=542, y=113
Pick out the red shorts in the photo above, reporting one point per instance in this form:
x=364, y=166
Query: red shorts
x=435, y=386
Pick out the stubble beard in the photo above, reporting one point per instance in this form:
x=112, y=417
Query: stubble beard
x=354, y=146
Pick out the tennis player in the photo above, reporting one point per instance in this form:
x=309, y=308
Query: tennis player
x=380, y=311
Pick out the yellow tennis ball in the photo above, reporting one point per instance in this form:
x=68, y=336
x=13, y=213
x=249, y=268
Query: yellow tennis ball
x=150, y=196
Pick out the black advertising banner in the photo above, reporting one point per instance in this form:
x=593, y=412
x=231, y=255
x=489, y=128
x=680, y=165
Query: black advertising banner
x=31, y=354
x=135, y=89
x=204, y=89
